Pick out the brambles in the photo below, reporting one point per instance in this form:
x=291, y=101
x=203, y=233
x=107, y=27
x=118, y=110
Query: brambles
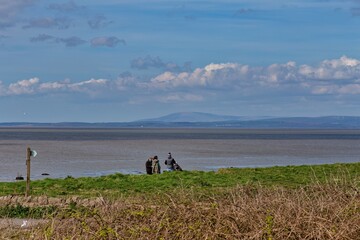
x=325, y=211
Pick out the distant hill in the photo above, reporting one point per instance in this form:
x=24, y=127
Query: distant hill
x=198, y=117
x=206, y=120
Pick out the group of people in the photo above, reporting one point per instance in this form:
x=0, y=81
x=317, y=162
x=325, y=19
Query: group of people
x=153, y=165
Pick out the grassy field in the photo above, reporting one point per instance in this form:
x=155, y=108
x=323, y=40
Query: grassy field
x=293, y=202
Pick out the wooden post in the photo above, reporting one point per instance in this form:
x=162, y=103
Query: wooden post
x=28, y=154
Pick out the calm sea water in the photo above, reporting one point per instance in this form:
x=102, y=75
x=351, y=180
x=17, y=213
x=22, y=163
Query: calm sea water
x=95, y=152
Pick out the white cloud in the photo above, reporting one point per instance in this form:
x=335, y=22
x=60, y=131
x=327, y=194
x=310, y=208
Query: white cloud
x=52, y=86
x=90, y=86
x=33, y=86
x=23, y=86
x=217, y=75
x=180, y=97
x=336, y=69
x=280, y=73
x=337, y=76
x=125, y=81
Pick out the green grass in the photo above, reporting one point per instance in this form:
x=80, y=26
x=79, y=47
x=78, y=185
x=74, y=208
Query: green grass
x=126, y=185
x=19, y=211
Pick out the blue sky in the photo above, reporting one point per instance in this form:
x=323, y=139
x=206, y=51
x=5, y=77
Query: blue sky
x=109, y=61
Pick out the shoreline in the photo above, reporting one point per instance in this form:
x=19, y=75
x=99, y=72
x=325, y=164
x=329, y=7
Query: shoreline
x=137, y=172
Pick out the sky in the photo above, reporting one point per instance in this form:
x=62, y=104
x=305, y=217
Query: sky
x=125, y=60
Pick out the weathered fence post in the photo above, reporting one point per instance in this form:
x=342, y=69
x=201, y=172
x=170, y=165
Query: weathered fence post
x=28, y=154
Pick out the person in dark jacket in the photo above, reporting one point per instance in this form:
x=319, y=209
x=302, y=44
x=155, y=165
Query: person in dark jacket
x=148, y=165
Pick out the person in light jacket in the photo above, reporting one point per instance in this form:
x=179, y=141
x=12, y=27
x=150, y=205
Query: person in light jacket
x=156, y=165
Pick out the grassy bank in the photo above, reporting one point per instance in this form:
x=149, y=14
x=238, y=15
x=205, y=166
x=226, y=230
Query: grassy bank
x=302, y=202
x=120, y=184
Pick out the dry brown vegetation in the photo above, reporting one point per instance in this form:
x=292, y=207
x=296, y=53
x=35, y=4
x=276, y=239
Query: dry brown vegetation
x=318, y=211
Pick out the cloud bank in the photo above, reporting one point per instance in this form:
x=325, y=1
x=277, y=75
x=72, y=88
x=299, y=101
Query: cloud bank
x=330, y=77
x=337, y=76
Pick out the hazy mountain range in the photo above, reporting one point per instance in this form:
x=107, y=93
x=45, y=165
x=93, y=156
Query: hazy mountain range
x=206, y=120
x=199, y=117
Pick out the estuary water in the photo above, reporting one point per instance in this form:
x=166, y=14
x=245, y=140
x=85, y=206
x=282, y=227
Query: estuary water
x=96, y=152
